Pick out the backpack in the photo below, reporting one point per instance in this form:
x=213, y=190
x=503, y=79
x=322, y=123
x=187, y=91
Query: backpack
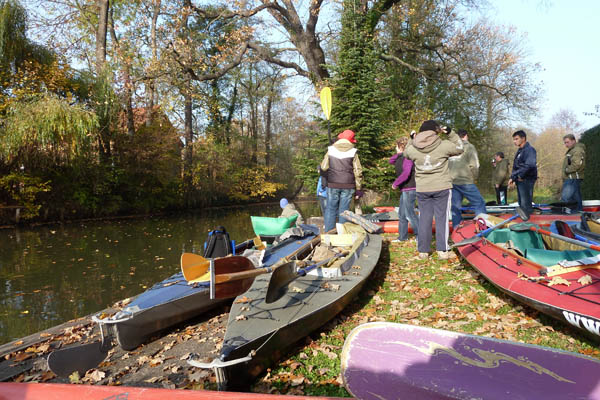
x=218, y=243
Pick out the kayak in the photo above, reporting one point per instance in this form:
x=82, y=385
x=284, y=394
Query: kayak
x=259, y=332
x=415, y=362
x=540, y=270
x=55, y=391
x=174, y=300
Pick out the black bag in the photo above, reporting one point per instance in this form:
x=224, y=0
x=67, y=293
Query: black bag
x=218, y=244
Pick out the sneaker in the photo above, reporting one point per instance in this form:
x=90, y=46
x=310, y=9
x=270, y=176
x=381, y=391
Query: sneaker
x=447, y=255
x=399, y=241
x=423, y=256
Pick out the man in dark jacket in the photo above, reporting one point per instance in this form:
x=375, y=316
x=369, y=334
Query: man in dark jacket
x=572, y=171
x=524, y=172
x=344, y=177
x=500, y=177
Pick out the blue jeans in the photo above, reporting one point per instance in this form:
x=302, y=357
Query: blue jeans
x=472, y=194
x=525, y=194
x=571, y=193
x=338, y=201
x=406, y=213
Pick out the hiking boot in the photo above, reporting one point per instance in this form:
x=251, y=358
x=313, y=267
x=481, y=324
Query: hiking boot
x=447, y=255
x=423, y=256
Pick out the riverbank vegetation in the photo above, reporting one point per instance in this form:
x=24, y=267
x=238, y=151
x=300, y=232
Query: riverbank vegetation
x=123, y=107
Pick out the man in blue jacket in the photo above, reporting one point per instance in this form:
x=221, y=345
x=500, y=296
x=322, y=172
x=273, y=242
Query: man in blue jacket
x=524, y=172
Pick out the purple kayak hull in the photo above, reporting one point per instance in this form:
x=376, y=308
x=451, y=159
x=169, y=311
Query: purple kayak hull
x=384, y=360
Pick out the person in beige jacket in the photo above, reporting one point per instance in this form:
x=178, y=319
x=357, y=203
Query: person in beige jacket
x=430, y=150
x=500, y=177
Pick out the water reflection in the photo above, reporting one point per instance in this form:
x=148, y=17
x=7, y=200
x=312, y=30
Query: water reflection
x=55, y=273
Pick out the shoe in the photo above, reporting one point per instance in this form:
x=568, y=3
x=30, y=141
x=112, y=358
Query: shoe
x=423, y=256
x=447, y=255
x=398, y=241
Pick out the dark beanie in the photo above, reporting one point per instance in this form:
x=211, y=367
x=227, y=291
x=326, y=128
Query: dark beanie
x=430, y=125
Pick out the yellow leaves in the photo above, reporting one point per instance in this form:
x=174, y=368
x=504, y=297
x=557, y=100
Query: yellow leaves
x=557, y=280
x=585, y=280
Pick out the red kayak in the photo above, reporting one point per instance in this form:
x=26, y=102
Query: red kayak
x=588, y=206
x=539, y=269
x=55, y=391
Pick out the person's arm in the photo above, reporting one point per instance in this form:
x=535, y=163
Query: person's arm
x=325, y=162
x=531, y=160
x=394, y=158
x=406, y=170
x=456, y=146
x=357, y=168
x=474, y=163
x=501, y=173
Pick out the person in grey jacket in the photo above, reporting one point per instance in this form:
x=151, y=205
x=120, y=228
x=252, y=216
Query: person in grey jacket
x=430, y=150
x=464, y=170
x=573, y=168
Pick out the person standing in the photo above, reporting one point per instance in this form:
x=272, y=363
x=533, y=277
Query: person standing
x=572, y=172
x=430, y=153
x=405, y=181
x=524, y=171
x=464, y=170
x=500, y=178
x=344, y=177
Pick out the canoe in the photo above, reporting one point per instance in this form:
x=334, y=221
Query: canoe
x=415, y=362
x=588, y=206
x=259, y=333
x=588, y=228
x=55, y=391
x=526, y=265
x=173, y=300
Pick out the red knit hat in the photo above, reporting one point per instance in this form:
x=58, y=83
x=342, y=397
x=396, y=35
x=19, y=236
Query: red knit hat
x=347, y=134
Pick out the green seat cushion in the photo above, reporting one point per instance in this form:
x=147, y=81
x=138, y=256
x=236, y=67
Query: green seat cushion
x=520, y=240
x=272, y=226
x=552, y=257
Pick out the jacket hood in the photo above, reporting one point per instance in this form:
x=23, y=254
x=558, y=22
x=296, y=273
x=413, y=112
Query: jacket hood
x=426, y=141
x=343, y=145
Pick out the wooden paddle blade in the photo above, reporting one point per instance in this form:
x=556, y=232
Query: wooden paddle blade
x=232, y=264
x=82, y=358
x=193, y=266
x=280, y=279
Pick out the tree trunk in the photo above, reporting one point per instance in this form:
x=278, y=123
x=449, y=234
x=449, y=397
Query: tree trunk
x=188, y=150
x=150, y=88
x=101, y=31
x=268, y=129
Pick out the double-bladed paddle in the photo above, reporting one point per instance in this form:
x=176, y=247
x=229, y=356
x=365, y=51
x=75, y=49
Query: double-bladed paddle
x=287, y=273
x=520, y=213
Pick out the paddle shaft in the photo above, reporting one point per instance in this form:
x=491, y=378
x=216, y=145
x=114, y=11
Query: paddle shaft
x=475, y=238
x=564, y=238
x=236, y=276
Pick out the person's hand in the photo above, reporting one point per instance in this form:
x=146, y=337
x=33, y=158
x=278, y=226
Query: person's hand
x=497, y=186
x=511, y=183
x=358, y=194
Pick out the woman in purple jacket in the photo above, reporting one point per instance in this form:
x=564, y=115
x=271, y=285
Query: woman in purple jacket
x=405, y=181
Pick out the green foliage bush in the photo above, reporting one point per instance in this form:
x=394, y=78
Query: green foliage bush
x=590, y=188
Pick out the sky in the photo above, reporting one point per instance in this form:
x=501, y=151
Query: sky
x=564, y=37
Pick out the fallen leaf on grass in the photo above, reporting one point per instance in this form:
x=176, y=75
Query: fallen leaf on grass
x=242, y=300
x=97, y=376
x=154, y=379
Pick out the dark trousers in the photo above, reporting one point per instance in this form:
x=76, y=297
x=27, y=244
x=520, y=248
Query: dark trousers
x=434, y=204
x=525, y=193
x=502, y=195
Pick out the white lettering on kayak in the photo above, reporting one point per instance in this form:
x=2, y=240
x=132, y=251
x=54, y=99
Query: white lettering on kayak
x=587, y=323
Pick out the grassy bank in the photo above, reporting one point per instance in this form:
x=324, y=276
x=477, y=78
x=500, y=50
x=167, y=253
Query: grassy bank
x=432, y=293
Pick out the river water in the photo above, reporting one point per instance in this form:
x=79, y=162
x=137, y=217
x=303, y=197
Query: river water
x=54, y=273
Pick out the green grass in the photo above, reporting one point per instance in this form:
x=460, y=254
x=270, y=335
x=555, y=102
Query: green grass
x=433, y=293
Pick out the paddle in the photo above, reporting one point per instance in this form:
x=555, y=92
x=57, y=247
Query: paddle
x=520, y=213
x=287, y=273
x=81, y=358
x=326, y=105
x=532, y=227
x=194, y=267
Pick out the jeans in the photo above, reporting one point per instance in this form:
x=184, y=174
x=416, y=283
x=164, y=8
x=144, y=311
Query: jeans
x=525, y=194
x=406, y=213
x=472, y=194
x=571, y=193
x=338, y=201
x=433, y=204
x=502, y=195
